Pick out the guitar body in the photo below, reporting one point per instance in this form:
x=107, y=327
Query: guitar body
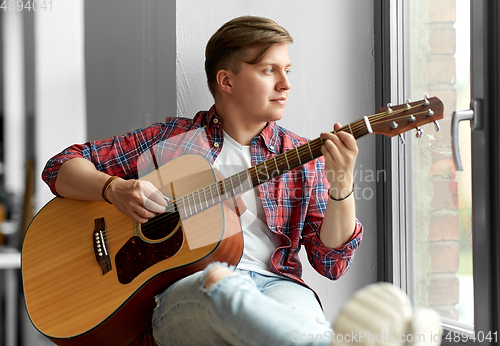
x=74, y=297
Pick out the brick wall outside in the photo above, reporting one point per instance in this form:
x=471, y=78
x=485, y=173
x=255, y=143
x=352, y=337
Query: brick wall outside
x=437, y=234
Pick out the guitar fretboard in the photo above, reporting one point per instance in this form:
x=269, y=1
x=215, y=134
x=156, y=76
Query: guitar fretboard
x=234, y=185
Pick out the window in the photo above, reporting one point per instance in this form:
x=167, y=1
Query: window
x=436, y=219
x=439, y=196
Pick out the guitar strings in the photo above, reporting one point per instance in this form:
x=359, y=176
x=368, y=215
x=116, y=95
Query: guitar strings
x=170, y=213
x=376, y=119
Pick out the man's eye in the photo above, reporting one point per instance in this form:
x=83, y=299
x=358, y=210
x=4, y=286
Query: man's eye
x=288, y=71
x=269, y=70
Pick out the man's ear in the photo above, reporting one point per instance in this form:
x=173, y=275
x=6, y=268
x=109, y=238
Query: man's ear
x=224, y=81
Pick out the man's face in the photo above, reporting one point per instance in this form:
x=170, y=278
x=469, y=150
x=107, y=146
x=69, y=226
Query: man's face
x=261, y=90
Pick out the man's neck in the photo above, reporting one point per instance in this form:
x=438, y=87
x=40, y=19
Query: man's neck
x=235, y=124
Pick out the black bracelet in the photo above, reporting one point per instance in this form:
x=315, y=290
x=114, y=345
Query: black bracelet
x=341, y=199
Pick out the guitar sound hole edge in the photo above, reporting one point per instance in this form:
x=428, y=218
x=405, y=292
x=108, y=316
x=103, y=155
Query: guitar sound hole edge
x=158, y=228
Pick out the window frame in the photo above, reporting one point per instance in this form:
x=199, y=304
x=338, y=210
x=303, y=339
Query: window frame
x=393, y=217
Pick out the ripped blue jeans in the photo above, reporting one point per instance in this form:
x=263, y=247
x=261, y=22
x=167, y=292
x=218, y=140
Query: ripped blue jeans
x=244, y=308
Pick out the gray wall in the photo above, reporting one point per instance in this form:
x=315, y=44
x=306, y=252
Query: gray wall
x=129, y=63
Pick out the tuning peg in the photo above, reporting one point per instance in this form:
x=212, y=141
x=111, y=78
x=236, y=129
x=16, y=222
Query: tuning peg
x=430, y=112
x=402, y=139
x=389, y=109
x=394, y=125
x=408, y=104
x=426, y=100
x=437, y=126
x=419, y=132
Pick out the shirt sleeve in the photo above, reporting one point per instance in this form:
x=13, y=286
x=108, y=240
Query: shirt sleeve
x=114, y=156
x=331, y=263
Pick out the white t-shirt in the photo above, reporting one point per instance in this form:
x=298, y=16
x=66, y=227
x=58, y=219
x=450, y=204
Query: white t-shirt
x=259, y=241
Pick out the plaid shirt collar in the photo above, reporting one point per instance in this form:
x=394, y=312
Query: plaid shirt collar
x=269, y=134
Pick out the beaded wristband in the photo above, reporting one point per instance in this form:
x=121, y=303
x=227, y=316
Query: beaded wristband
x=341, y=199
x=106, y=187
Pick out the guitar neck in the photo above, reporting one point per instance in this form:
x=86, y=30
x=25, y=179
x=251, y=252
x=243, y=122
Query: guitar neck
x=389, y=121
x=261, y=173
x=296, y=157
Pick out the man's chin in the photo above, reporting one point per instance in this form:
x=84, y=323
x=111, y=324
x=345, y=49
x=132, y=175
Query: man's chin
x=276, y=115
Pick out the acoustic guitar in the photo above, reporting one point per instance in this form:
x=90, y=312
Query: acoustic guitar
x=90, y=273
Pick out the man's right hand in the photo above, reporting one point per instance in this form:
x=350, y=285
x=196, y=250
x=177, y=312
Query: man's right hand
x=138, y=199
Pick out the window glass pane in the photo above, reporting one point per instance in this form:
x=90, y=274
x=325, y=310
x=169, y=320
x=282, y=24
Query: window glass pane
x=441, y=269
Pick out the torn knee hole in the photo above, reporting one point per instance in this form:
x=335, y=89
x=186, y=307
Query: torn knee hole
x=214, y=274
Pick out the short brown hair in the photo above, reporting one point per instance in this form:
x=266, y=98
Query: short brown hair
x=228, y=46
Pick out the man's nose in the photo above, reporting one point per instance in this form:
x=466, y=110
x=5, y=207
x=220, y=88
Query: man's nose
x=284, y=82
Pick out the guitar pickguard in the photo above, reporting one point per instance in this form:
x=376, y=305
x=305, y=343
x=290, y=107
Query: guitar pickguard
x=136, y=255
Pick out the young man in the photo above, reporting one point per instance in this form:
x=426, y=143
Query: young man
x=264, y=300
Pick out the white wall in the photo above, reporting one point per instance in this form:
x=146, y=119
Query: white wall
x=13, y=120
x=333, y=80
x=60, y=85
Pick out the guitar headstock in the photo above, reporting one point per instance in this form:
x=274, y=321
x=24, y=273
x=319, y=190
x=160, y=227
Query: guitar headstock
x=394, y=120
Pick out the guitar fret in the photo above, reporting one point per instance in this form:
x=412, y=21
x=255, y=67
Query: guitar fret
x=249, y=178
x=189, y=204
x=211, y=194
x=309, y=145
x=241, y=184
x=221, y=191
x=298, y=155
x=276, y=164
x=232, y=185
x=206, y=199
x=194, y=204
x=199, y=197
x=286, y=158
x=184, y=207
x=267, y=172
x=256, y=173
x=226, y=189
x=215, y=188
x=179, y=209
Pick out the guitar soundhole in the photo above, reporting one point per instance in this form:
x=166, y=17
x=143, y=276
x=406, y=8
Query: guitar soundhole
x=161, y=226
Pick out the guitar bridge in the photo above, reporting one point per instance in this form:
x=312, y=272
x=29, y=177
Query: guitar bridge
x=100, y=241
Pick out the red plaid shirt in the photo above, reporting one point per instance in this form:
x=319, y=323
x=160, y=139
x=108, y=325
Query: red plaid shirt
x=294, y=202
